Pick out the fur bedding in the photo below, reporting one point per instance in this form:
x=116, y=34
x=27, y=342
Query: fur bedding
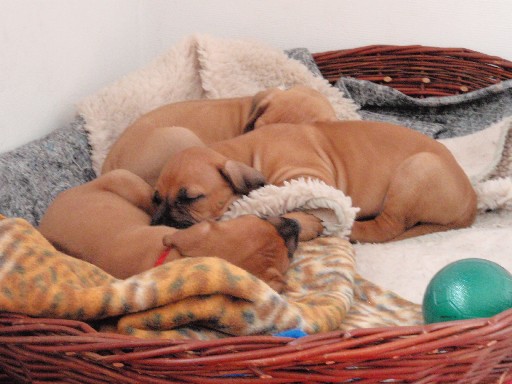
x=354, y=291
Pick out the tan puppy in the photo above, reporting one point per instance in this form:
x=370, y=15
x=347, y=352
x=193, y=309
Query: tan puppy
x=107, y=223
x=405, y=183
x=146, y=145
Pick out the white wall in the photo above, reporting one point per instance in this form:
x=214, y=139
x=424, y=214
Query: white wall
x=55, y=52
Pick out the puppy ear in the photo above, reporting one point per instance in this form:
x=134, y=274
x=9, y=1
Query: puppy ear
x=243, y=179
x=260, y=103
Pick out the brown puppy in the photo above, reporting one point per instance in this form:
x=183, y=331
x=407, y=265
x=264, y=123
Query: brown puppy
x=106, y=222
x=146, y=145
x=405, y=183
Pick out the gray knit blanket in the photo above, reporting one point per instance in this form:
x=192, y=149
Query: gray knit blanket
x=32, y=175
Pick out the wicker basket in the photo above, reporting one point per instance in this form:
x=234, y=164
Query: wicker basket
x=416, y=70
x=57, y=351
x=470, y=351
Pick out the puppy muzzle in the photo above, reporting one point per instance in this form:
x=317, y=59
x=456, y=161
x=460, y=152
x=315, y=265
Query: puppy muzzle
x=172, y=217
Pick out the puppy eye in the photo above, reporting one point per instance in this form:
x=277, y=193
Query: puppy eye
x=157, y=199
x=185, y=197
x=190, y=199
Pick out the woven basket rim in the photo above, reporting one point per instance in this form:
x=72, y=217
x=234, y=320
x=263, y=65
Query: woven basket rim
x=416, y=70
x=337, y=354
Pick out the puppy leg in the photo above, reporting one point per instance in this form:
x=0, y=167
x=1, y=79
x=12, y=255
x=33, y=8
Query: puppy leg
x=310, y=225
x=420, y=230
x=130, y=187
x=427, y=194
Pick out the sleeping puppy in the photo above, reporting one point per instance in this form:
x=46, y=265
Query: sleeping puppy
x=146, y=145
x=405, y=183
x=107, y=222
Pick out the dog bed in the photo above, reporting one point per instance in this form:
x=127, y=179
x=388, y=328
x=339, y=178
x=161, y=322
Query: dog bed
x=63, y=320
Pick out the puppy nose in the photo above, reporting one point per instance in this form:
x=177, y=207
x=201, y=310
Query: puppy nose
x=156, y=220
x=165, y=216
x=162, y=212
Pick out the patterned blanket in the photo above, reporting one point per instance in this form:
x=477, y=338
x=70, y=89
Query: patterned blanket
x=198, y=298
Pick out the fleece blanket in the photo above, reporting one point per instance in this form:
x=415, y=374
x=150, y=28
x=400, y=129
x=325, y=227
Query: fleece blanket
x=198, y=67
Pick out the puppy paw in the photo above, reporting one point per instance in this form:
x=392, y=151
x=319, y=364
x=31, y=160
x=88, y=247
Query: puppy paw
x=310, y=226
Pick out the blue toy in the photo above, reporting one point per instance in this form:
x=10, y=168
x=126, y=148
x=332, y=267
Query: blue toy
x=466, y=289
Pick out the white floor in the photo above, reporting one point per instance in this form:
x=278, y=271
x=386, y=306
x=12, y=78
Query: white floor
x=407, y=266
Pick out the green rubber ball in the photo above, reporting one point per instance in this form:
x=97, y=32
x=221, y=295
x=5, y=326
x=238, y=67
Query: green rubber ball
x=467, y=289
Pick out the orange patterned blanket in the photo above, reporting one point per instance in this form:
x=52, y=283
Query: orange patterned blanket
x=194, y=298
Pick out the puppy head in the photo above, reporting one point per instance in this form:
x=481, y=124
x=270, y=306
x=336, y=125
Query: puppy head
x=199, y=184
x=261, y=247
x=299, y=104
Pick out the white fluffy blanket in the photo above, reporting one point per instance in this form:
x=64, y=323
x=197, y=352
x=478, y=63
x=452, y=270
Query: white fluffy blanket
x=329, y=204
x=206, y=67
x=199, y=67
